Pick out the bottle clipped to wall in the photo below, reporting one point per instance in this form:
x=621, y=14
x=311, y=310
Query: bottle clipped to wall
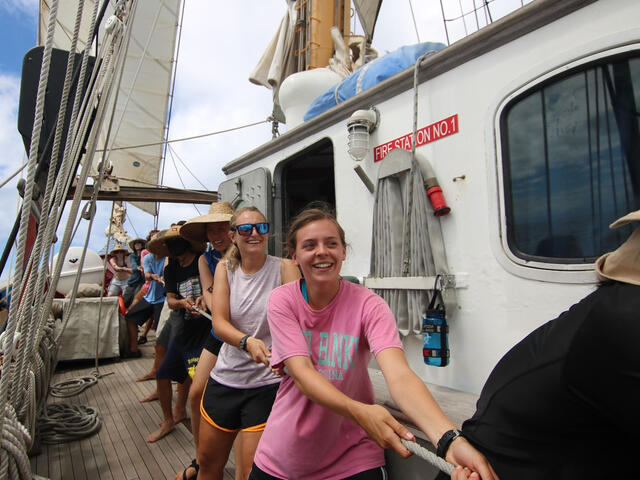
x=435, y=330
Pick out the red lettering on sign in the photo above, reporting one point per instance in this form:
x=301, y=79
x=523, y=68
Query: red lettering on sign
x=424, y=135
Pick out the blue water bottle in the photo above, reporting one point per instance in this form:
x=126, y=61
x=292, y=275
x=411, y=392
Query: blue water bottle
x=435, y=333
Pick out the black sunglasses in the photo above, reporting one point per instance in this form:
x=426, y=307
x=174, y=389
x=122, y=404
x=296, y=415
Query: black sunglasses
x=247, y=228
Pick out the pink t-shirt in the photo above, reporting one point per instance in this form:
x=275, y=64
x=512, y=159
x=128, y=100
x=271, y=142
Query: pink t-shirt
x=302, y=439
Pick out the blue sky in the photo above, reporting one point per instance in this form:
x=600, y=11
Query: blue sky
x=17, y=34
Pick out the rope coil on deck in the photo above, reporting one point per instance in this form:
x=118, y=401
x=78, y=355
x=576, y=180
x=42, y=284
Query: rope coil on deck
x=429, y=456
x=64, y=423
x=72, y=387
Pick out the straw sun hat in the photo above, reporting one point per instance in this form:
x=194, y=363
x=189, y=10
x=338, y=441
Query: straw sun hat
x=158, y=244
x=137, y=240
x=195, y=229
x=623, y=264
x=117, y=249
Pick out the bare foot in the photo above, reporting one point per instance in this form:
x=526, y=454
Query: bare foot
x=179, y=416
x=150, y=398
x=166, y=428
x=148, y=376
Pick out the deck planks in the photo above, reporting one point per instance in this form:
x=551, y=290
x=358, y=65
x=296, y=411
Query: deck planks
x=119, y=450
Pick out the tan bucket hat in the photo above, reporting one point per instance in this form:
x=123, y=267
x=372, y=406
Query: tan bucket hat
x=117, y=249
x=158, y=244
x=137, y=240
x=195, y=229
x=623, y=264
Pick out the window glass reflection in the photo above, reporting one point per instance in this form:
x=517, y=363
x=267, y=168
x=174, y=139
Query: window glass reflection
x=572, y=162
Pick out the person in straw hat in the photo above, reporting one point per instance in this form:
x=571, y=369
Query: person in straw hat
x=149, y=305
x=119, y=261
x=213, y=227
x=563, y=403
x=136, y=279
x=184, y=294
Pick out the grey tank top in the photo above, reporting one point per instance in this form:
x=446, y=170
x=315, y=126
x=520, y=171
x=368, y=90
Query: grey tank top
x=248, y=296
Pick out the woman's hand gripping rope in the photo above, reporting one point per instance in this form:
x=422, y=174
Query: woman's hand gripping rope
x=381, y=427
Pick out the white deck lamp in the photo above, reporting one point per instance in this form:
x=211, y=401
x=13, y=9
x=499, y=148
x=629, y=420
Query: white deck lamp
x=360, y=124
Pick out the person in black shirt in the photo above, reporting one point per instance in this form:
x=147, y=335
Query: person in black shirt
x=184, y=292
x=563, y=403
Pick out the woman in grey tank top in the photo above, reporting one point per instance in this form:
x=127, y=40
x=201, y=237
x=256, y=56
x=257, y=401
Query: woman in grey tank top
x=242, y=387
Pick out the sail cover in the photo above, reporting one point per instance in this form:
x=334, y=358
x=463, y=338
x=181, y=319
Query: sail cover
x=143, y=97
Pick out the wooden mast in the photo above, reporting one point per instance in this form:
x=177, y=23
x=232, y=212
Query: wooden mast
x=315, y=19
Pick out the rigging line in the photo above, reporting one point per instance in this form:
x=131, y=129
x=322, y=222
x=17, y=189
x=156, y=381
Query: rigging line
x=463, y=13
x=444, y=20
x=173, y=160
x=173, y=152
x=464, y=22
x=488, y=10
x=13, y=175
x=413, y=16
x=113, y=149
x=475, y=13
x=134, y=228
x=171, y=95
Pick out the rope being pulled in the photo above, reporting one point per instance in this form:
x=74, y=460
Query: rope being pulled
x=429, y=456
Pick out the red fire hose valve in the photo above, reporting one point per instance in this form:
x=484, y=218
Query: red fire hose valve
x=437, y=200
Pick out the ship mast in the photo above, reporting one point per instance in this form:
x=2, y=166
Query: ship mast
x=314, y=46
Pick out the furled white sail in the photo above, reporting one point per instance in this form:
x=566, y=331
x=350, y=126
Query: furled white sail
x=143, y=97
x=278, y=61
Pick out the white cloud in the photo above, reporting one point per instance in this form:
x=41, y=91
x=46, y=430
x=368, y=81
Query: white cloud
x=23, y=6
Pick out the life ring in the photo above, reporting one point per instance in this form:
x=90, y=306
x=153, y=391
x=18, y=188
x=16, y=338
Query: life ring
x=121, y=308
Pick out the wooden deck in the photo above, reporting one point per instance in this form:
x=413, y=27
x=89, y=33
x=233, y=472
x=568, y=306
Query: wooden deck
x=119, y=450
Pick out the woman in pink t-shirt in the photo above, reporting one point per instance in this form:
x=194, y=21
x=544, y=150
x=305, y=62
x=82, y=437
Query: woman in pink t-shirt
x=324, y=423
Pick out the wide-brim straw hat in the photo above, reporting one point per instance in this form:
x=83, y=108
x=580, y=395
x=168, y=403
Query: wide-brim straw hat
x=195, y=229
x=158, y=244
x=137, y=240
x=117, y=249
x=623, y=264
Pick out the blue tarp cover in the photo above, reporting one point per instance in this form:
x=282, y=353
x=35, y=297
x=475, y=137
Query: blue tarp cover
x=370, y=74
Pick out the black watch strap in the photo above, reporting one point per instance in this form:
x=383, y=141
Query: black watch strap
x=446, y=439
x=243, y=342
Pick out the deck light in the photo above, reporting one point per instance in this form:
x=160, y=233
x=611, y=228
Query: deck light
x=360, y=124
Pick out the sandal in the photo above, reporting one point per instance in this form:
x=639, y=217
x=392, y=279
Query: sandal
x=193, y=465
x=142, y=340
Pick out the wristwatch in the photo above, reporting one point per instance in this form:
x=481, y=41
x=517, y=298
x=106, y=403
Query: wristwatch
x=243, y=342
x=446, y=439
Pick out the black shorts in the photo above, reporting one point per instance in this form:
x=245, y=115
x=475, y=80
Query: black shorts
x=141, y=312
x=171, y=329
x=378, y=473
x=234, y=409
x=178, y=364
x=213, y=344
